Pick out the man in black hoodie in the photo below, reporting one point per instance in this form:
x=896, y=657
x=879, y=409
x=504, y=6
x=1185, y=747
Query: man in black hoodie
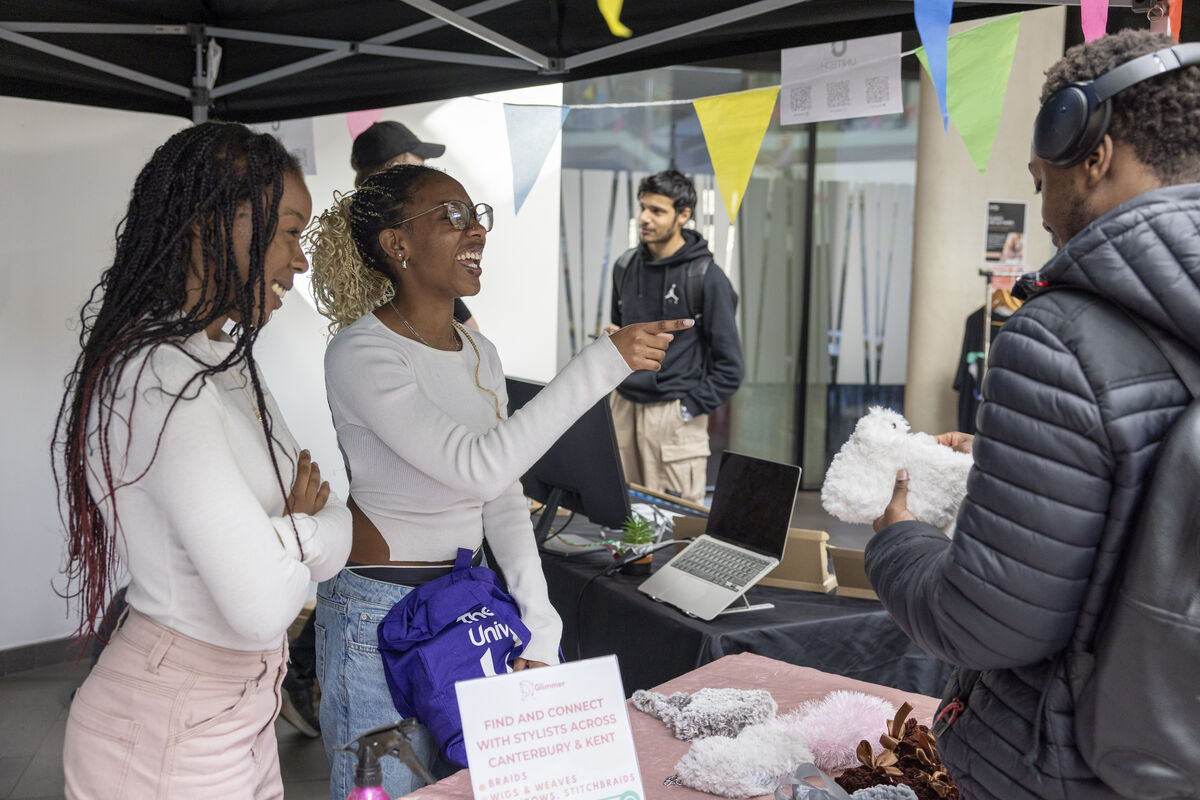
x=661, y=418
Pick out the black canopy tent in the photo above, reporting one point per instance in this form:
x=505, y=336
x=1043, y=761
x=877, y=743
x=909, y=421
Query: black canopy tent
x=263, y=60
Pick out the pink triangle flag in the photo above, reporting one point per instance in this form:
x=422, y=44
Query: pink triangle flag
x=359, y=121
x=1094, y=15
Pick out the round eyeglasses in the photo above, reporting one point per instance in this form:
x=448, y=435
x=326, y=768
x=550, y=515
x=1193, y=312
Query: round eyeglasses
x=459, y=214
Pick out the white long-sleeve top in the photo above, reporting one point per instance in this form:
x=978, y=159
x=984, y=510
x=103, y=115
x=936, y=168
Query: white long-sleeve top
x=202, y=531
x=433, y=467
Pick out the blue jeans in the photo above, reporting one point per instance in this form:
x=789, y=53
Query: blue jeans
x=354, y=692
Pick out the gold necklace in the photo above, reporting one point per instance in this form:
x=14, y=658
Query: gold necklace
x=417, y=333
x=250, y=398
x=495, y=400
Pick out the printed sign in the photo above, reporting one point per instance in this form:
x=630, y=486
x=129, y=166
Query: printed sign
x=558, y=733
x=1005, y=234
x=837, y=80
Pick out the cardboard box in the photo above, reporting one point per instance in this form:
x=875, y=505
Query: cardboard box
x=687, y=528
x=804, y=565
x=851, y=573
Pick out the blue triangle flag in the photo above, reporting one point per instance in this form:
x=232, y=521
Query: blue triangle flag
x=933, y=23
x=531, y=133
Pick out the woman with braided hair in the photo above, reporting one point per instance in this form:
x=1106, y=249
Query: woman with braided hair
x=175, y=467
x=420, y=410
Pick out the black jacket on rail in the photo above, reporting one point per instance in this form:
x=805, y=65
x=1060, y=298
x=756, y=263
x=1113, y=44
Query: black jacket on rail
x=704, y=365
x=1076, y=402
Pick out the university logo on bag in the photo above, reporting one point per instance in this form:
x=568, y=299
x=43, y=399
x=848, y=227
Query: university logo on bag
x=489, y=630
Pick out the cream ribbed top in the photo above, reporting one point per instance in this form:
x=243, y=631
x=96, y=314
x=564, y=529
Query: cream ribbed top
x=202, y=531
x=433, y=467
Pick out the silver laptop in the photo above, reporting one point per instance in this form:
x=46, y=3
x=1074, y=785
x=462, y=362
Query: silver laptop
x=743, y=541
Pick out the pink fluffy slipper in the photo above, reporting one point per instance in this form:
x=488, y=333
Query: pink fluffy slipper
x=834, y=725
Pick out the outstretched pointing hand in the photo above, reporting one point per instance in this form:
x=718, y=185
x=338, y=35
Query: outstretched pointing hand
x=644, y=345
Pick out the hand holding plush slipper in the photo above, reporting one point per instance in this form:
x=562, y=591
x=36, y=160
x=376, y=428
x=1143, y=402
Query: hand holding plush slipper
x=861, y=481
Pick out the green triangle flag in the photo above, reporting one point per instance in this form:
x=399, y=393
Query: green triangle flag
x=978, y=65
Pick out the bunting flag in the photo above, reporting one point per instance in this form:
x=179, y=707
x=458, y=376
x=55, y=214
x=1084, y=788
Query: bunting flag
x=933, y=23
x=359, y=121
x=611, y=11
x=1094, y=15
x=978, y=64
x=531, y=133
x=734, y=126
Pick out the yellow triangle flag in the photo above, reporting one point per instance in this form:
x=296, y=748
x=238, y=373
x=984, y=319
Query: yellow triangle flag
x=734, y=126
x=611, y=11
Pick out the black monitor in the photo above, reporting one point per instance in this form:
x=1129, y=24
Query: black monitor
x=581, y=471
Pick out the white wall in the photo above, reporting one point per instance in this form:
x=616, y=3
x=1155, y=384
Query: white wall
x=951, y=220
x=67, y=174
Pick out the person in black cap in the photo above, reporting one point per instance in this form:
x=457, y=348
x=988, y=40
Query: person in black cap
x=386, y=144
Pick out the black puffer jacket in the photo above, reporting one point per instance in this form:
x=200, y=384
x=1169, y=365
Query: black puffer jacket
x=1076, y=402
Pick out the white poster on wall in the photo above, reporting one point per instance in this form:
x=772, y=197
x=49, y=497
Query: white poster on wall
x=297, y=137
x=838, y=80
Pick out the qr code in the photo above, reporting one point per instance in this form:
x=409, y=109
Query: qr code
x=878, y=91
x=800, y=99
x=837, y=94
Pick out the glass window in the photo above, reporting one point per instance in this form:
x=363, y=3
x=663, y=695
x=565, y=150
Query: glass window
x=863, y=169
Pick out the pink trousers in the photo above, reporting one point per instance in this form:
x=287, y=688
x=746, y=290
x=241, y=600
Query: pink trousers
x=163, y=716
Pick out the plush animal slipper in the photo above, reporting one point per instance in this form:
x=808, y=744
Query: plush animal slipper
x=707, y=712
x=859, y=483
x=825, y=733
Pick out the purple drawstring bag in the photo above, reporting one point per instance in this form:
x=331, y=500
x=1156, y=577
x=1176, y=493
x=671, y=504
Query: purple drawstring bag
x=460, y=626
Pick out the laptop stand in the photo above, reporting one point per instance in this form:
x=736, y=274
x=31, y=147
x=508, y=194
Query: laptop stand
x=745, y=606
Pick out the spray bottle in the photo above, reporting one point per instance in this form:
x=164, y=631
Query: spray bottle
x=387, y=740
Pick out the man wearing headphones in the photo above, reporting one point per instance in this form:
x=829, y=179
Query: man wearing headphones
x=1078, y=397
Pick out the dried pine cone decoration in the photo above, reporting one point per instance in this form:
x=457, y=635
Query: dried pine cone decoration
x=909, y=757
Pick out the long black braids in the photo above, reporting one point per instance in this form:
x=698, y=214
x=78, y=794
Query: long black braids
x=181, y=214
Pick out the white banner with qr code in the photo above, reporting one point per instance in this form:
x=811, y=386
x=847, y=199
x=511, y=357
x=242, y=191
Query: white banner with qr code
x=838, y=80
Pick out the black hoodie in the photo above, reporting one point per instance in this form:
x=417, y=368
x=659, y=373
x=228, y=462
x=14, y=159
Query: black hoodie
x=704, y=365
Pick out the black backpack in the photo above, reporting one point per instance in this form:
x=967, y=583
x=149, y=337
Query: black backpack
x=693, y=284
x=1137, y=694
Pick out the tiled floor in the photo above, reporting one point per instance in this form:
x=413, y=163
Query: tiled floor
x=33, y=707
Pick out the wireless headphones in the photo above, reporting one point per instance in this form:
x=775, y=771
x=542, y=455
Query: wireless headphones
x=1074, y=120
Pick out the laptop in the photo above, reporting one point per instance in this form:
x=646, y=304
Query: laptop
x=743, y=541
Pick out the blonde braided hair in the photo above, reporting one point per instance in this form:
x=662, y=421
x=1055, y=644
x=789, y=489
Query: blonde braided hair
x=350, y=276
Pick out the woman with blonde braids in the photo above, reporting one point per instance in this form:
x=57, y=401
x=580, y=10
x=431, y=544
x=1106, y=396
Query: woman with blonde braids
x=419, y=407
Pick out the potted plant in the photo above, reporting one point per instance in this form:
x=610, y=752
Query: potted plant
x=636, y=534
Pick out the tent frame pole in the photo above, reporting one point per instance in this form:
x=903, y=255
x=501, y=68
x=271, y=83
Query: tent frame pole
x=201, y=93
x=677, y=31
x=542, y=62
x=8, y=33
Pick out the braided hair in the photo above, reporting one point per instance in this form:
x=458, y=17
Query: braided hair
x=181, y=210
x=350, y=273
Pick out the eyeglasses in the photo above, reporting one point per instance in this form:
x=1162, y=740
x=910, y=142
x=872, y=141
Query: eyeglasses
x=459, y=214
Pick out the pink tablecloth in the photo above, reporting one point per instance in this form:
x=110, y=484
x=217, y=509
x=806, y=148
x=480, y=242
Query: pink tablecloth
x=659, y=751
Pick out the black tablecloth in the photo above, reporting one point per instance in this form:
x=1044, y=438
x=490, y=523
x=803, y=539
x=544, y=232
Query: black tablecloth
x=655, y=642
